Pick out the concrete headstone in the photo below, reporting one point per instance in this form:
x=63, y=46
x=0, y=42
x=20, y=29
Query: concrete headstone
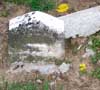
x=36, y=35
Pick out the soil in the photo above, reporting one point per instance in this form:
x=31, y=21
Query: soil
x=72, y=80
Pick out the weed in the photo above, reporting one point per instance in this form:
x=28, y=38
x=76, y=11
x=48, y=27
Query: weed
x=95, y=43
x=30, y=85
x=46, y=85
x=96, y=73
x=4, y=13
x=22, y=86
x=95, y=47
x=17, y=1
x=40, y=5
x=95, y=58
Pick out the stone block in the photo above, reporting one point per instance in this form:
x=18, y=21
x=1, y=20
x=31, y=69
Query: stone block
x=36, y=36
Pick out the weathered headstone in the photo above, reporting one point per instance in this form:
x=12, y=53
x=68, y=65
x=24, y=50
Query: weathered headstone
x=36, y=36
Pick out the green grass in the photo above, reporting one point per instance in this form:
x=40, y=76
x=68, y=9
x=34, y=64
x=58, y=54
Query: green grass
x=40, y=5
x=96, y=73
x=95, y=43
x=46, y=85
x=95, y=58
x=96, y=48
x=4, y=13
x=25, y=86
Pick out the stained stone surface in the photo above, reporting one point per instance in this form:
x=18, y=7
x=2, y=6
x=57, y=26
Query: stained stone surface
x=36, y=36
x=82, y=23
x=42, y=68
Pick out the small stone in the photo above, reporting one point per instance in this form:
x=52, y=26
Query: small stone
x=52, y=83
x=39, y=81
x=64, y=67
x=89, y=52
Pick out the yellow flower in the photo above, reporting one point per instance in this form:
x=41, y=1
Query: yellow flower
x=82, y=67
x=62, y=8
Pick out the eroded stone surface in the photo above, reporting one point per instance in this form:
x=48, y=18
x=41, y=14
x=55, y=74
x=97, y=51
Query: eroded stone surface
x=42, y=68
x=35, y=35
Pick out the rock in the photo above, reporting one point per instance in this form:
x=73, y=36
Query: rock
x=42, y=68
x=36, y=35
x=36, y=67
x=17, y=65
x=52, y=85
x=82, y=23
x=39, y=81
x=89, y=52
x=64, y=68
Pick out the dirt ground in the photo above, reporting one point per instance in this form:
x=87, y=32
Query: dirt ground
x=72, y=80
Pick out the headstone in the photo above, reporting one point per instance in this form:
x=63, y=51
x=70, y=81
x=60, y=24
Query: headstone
x=36, y=36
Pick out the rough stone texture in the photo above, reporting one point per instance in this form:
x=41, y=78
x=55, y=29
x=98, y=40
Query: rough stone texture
x=35, y=36
x=42, y=68
x=82, y=23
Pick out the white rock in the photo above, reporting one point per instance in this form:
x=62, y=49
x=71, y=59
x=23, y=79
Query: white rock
x=83, y=23
x=64, y=67
x=39, y=81
x=52, y=83
x=89, y=52
x=43, y=68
